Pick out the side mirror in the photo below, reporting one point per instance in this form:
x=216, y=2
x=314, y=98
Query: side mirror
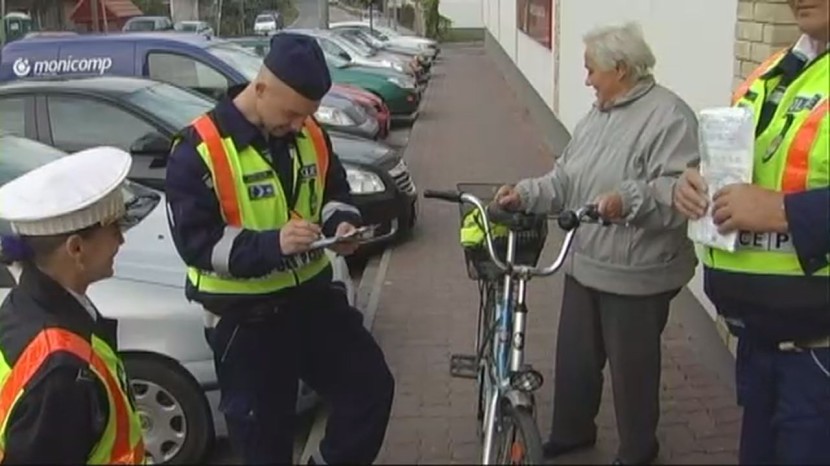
x=151, y=144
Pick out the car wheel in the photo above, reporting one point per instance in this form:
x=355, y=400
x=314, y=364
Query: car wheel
x=175, y=416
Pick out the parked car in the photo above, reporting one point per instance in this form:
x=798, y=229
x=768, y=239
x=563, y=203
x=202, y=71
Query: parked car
x=148, y=23
x=400, y=94
x=193, y=61
x=333, y=44
x=160, y=334
x=386, y=34
x=268, y=22
x=141, y=116
x=198, y=27
x=423, y=61
x=372, y=103
x=399, y=91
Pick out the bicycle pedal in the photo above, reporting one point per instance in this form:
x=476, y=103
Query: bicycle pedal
x=464, y=366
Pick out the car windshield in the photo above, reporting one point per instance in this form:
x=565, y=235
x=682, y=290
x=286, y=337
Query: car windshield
x=244, y=61
x=19, y=156
x=336, y=61
x=177, y=107
x=187, y=27
x=355, y=46
x=146, y=25
x=361, y=40
x=377, y=34
x=264, y=19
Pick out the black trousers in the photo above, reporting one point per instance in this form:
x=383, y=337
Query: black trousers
x=624, y=330
x=320, y=339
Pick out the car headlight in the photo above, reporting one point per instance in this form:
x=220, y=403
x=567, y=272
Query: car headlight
x=363, y=182
x=403, y=84
x=333, y=116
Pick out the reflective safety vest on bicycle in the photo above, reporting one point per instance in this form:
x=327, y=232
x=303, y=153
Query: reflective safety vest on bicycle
x=251, y=197
x=791, y=155
x=472, y=230
x=121, y=441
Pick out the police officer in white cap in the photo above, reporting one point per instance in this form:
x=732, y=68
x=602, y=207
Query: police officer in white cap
x=64, y=397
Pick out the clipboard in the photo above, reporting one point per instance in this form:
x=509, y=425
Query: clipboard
x=359, y=233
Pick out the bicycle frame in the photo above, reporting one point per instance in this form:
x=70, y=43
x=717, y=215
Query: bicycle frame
x=508, y=352
x=509, y=319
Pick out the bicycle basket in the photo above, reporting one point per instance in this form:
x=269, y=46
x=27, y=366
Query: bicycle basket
x=529, y=242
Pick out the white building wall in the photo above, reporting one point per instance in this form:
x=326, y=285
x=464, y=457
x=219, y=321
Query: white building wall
x=692, y=41
x=536, y=63
x=463, y=13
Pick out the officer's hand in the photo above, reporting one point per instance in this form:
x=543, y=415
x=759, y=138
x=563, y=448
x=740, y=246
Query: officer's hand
x=508, y=198
x=297, y=235
x=346, y=247
x=748, y=207
x=690, y=194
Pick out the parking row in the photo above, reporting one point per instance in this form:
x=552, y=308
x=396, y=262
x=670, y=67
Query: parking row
x=64, y=93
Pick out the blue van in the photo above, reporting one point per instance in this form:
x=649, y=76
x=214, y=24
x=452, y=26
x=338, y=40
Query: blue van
x=191, y=61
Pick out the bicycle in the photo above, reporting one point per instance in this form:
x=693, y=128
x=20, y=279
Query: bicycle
x=506, y=405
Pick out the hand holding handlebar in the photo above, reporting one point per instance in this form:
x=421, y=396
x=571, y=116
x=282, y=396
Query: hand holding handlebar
x=508, y=198
x=568, y=220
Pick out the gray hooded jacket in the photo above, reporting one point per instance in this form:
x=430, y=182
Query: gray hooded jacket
x=637, y=146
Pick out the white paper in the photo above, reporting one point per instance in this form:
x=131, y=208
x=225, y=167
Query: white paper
x=727, y=146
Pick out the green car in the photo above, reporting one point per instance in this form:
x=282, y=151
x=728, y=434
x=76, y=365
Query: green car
x=399, y=91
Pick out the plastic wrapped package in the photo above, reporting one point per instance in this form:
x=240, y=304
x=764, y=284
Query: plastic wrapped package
x=727, y=146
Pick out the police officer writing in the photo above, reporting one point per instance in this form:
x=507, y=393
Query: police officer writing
x=774, y=291
x=64, y=397
x=250, y=186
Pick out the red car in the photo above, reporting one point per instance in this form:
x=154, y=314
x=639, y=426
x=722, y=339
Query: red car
x=374, y=105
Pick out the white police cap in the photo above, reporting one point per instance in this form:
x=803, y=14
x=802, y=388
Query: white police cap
x=68, y=194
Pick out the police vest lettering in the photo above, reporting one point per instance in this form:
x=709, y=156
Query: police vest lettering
x=251, y=197
x=791, y=155
x=775, y=242
x=121, y=442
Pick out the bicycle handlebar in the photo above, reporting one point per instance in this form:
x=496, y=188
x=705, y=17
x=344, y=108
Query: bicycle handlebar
x=568, y=220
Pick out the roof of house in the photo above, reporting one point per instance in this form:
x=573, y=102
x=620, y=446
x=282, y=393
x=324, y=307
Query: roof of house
x=115, y=9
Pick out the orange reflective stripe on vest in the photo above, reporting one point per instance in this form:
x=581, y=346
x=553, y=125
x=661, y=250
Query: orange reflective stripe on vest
x=222, y=173
x=223, y=177
x=798, y=156
x=53, y=340
x=320, y=147
x=762, y=68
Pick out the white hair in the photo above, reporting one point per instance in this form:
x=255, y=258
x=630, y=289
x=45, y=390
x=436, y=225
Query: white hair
x=611, y=46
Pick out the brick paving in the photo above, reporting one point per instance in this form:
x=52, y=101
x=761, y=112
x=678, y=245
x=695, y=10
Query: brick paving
x=473, y=129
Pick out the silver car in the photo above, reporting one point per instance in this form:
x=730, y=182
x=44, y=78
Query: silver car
x=333, y=44
x=160, y=334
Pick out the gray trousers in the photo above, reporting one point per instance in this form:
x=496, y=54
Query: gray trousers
x=625, y=330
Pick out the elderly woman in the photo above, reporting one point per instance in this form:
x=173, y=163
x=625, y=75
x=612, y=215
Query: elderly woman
x=626, y=155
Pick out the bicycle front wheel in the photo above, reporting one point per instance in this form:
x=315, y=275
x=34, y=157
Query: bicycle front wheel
x=518, y=441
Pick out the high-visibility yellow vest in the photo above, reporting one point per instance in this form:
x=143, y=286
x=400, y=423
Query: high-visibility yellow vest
x=121, y=441
x=472, y=230
x=251, y=197
x=791, y=155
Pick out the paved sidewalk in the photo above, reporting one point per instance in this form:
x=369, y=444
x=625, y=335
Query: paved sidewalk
x=474, y=129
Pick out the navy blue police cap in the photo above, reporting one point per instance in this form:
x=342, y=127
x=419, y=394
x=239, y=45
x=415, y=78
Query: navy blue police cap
x=298, y=61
